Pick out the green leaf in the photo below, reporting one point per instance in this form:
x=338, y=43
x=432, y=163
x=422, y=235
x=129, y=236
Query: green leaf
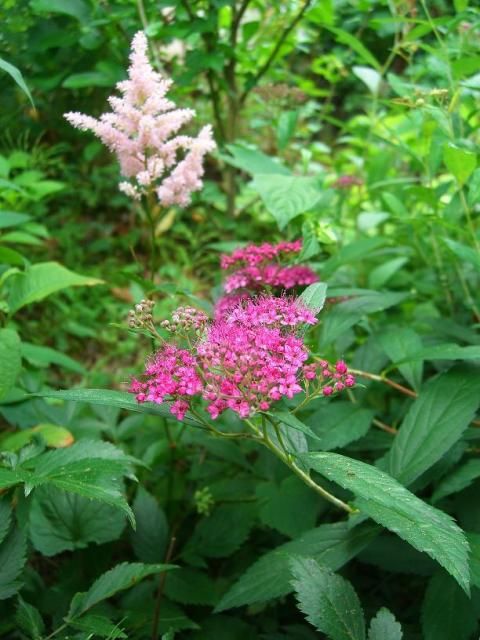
x=29, y=620
x=448, y=351
x=391, y=505
x=16, y=75
x=474, y=542
x=370, y=77
x=384, y=627
x=379, y=276
x=41, y=280
x=460, y=162
x=10, y=359
x=5, y=517
x=447, y=612
x=74, y=8
x=344, y=37
x=332, y=545
x=62, y=521
x=399, y=344
x=12, y=219
x=98, y=626
x=123, y=576
x=339, y=423
x=52, y=434
x=434, y=422
x=328, y=601
x=346, y=314
x=290, y=507
x=39, y=356
x=464, y=252
x=149, y=540
x=314, y=296
x=12, y=560
x=457, y=480
x=188, y=586
x=293, y=422
x=9, y=478
x=108, y=398
x=253, y=161
x=286, y=197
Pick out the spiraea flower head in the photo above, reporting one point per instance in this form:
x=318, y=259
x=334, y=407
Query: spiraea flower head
x=142, y=131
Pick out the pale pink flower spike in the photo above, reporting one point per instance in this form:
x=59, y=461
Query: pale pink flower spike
x=141, y=130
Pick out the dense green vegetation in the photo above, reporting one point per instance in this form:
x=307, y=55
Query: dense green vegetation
x=322, y=477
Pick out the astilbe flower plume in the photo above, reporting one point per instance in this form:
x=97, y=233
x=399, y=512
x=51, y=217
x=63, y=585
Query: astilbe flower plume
x=142, y=131
x=247, y=358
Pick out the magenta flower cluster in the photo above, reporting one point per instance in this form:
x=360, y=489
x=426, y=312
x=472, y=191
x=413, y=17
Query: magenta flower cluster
x=247, y=358
x=259, y=266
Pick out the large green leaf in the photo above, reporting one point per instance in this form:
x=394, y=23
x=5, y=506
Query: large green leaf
x=41, y=280
x=460, y=162
x=12, y=560
x=123, y=576
x=333, y=545
x=10, y=359
x=387, y=502
x=339, y=423
x=189, y=586
x=286, y=197
x=149, y=540
x=447, y=613
x=434, y=422
x=63, y=521
x=29, y=620
x=384, y=627
x=328, y=601
x=12, y=219
x=474, y=542
x=314, y=296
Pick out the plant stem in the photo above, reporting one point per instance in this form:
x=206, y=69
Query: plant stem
x=286, y=458
x=161, y=586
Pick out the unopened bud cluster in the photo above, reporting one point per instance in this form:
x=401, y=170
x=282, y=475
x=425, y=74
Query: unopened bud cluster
x=141, y=315
x=186, y=319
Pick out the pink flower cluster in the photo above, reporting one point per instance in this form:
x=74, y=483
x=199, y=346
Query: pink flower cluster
x=141, y=130
x=258, y=266
x=253, y=254
x=330, y=377
x=246, y=359
x=270, y=275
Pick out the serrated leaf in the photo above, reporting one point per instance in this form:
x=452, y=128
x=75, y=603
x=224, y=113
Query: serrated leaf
x=5, y=517
x=434, y=422
x=399, y=344
x=123, y=576
x=61, y=521
x=149, y=540
x=333, y=545
x=387, y=502
x=10, y=477
x=384, y=626
x=474, y=542
x=29, y=620
x=10, y=359
x=457, y=480
x=41, y=280
x=286, y=197
x=291, y=421
x=314, y=296
x=99, y=626
x=328, y=601
x=109, y=398
x=12, y=560
x=447, y=612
